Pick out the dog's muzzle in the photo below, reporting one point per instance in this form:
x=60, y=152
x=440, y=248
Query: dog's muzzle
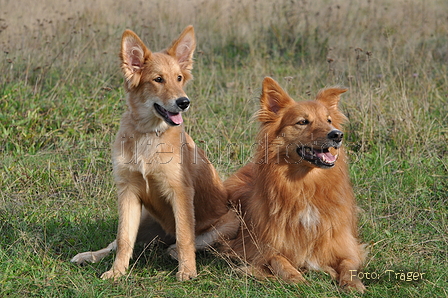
x=183, y=103
x=322, y=157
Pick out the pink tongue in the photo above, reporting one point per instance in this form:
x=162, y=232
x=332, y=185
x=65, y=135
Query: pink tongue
x=176, y=118
x=328, y=156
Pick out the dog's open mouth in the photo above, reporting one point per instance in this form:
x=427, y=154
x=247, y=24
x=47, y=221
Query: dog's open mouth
x=169, y=117
x=322, y=157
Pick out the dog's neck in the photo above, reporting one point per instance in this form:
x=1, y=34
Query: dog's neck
x=148, y=124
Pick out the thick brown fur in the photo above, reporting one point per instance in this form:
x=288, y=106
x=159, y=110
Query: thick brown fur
x=297, y=214
x=166, y=186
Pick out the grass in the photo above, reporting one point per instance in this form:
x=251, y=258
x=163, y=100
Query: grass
x=61, y=99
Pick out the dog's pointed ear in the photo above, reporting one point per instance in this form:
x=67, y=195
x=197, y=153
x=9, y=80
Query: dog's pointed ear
x=330, y=97
x=183, y=48
x=133, y=56
x=273, y=99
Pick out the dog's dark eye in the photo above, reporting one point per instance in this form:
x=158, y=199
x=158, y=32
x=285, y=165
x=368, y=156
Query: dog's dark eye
x=158, y=80
x=329, y=121
x=303, y=122
x=179, y=78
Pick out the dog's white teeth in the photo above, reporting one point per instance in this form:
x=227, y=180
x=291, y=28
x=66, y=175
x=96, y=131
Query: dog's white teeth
x=309, y=151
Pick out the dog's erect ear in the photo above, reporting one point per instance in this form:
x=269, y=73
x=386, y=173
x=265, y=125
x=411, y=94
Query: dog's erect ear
x=273, y=99
x=183, y=48
x=330, y=97
x=133, y=56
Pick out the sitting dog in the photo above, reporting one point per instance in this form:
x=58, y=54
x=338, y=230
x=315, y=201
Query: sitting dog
x=295, y=200
x=166, y=186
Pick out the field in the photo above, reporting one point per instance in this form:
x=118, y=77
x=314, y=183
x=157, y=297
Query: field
x=61, y=99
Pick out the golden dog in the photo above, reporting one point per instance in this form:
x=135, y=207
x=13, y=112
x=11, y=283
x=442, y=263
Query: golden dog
x=166, y=186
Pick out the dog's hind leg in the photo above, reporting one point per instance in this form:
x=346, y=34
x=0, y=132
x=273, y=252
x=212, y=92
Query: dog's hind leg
x=94, y=256
x=226, y=228
x=150, y=230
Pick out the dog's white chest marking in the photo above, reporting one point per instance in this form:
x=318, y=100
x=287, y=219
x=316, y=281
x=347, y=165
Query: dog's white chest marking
x=145, y=152
x=309, y=217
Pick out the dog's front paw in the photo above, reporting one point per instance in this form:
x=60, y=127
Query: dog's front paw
x=352, y=285
x=112, y=273
x=296, y=278
x=172, y=251
x=186, y=274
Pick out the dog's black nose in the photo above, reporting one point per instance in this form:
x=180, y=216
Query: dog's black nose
x=335, y=135
x=183, y=103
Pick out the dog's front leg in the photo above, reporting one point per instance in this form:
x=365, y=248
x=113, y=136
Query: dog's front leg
x=348, y=276
x=185, y=237
x=130, y=208
x=281, y=267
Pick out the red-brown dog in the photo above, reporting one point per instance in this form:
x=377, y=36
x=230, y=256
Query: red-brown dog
x=296, y=199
